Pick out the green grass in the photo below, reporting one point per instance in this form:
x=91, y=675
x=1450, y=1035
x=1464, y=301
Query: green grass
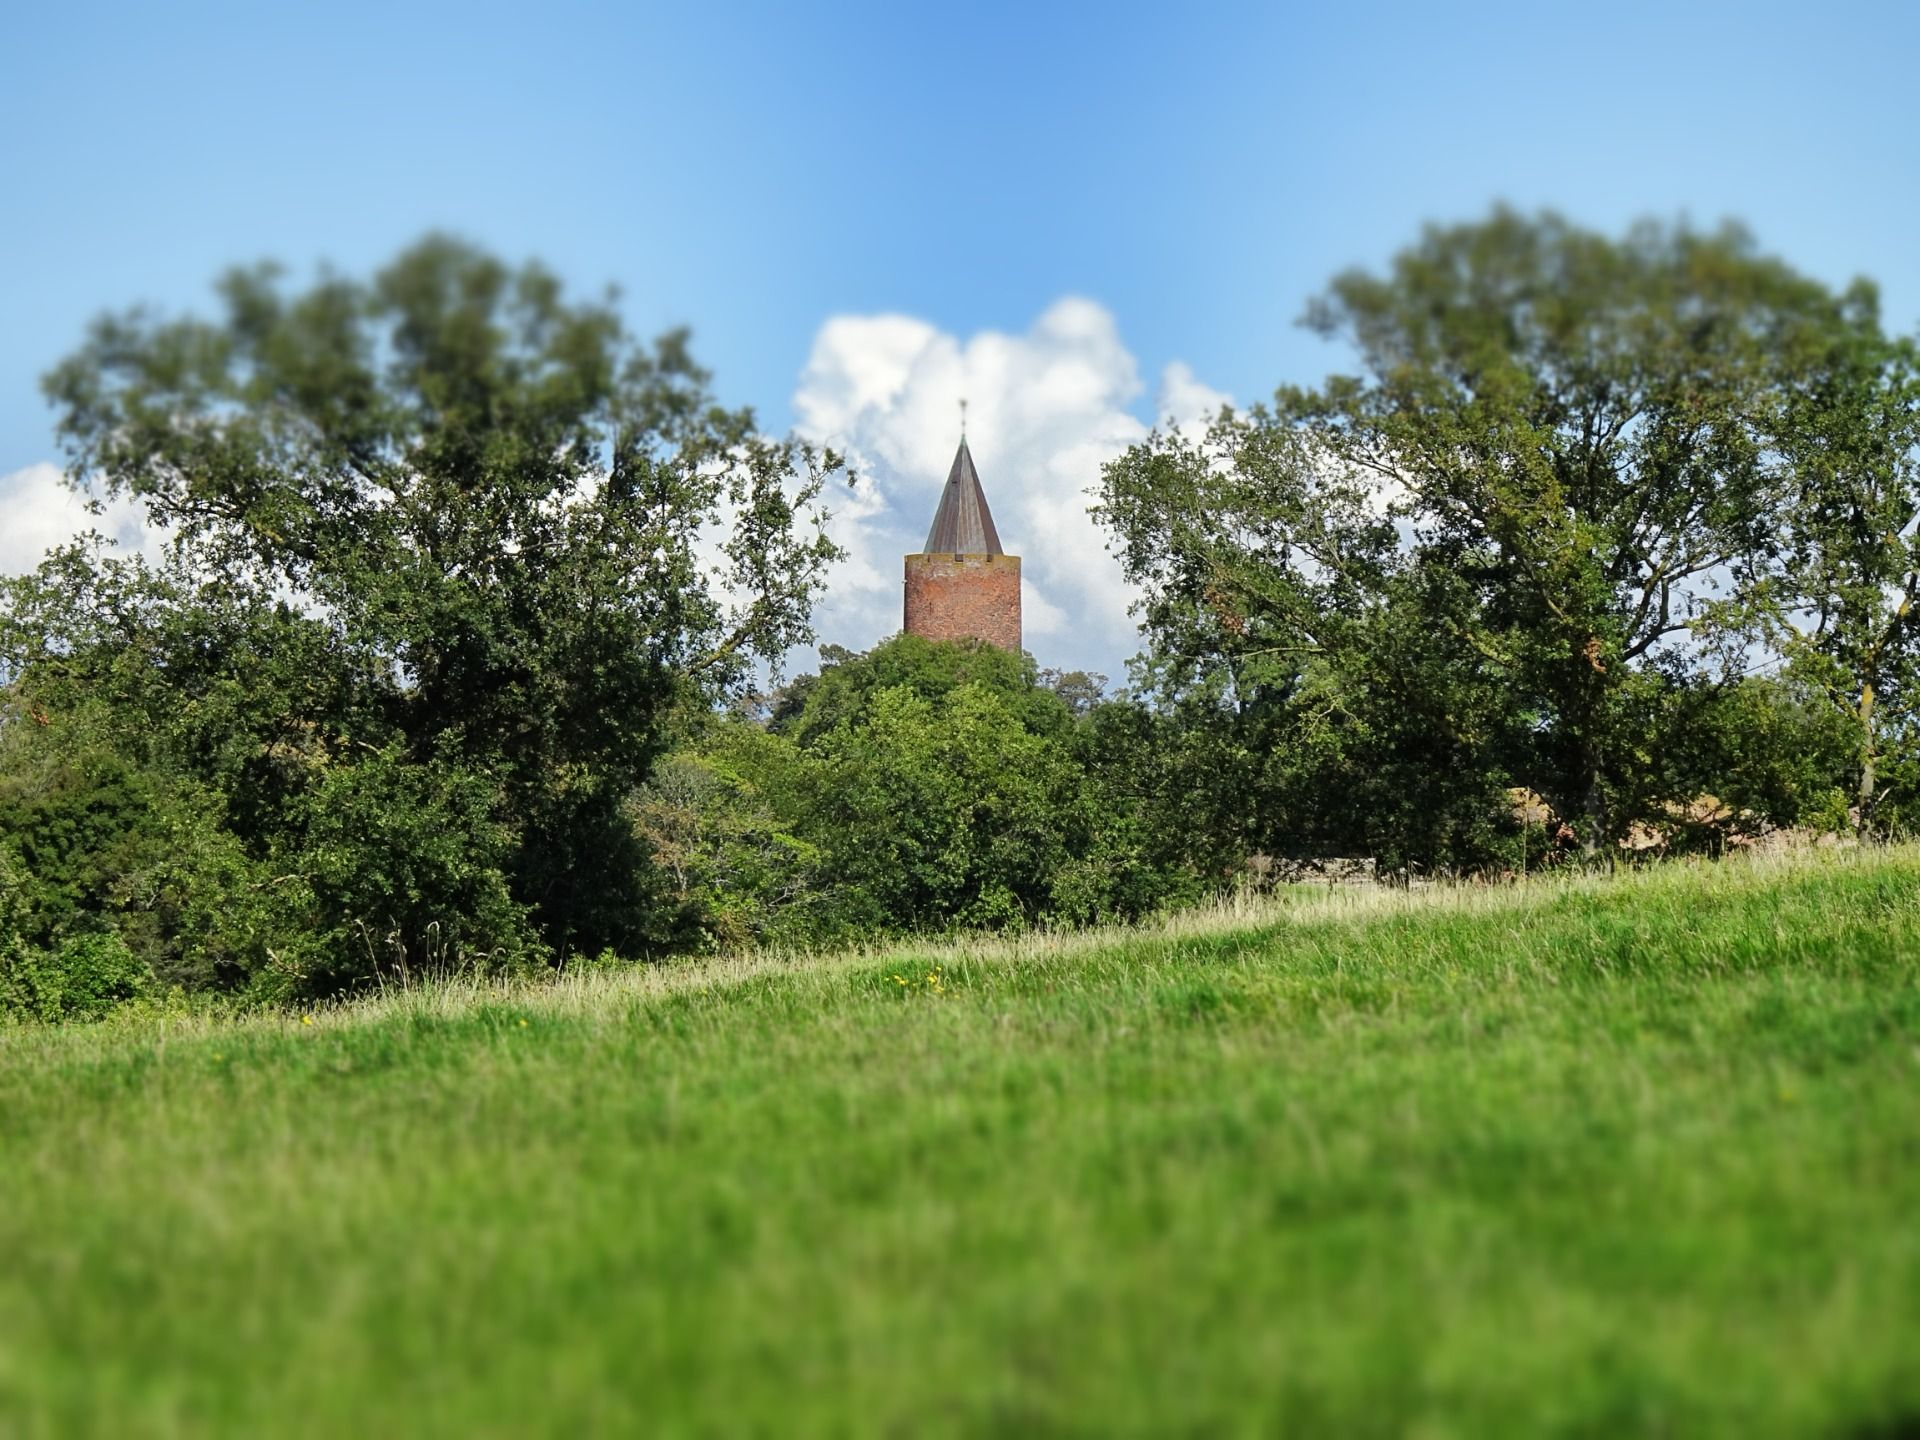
x=1624, y=1157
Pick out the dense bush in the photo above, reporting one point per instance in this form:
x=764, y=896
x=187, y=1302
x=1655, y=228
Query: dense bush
x=917, y=786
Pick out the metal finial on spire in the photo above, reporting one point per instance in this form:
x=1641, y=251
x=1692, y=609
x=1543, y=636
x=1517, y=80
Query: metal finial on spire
x=963, y=417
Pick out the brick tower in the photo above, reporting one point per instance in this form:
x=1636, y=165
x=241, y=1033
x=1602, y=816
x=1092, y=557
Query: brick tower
x=963, y=585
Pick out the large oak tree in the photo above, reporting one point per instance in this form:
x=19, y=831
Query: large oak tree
x=450, y=530
x=1559, y=448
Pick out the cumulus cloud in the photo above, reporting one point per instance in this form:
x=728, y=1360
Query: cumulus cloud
x=1184, y=401
x=1045, y=410
x=38, y=511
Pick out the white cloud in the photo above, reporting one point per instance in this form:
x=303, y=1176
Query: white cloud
x=1185, y=401
x=39, y=511
x=1045, y=410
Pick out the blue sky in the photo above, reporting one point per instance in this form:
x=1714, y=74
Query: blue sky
x=1194, y=172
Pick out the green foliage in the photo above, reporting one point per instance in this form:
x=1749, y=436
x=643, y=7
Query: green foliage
x=103, y=844
x=916, y=787
x=82, y=975
x=847, y=683
x=947, y=811
x=1769, y=751
x=724, y=852
x=1836, y=596
x=1492, y=558
x=449, y=555
x=85, y=979
x=406, y=865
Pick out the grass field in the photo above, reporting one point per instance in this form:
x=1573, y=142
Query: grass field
x=1638, y=1156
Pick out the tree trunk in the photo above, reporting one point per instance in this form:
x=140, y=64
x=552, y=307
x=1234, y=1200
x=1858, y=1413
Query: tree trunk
x=1595, y=833
x=1864, y=797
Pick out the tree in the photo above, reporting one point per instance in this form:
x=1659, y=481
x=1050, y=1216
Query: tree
x=1561, y=444
x=1837, y=599
x=1312, y=692
x=1081, y=691
x=947, y=811
x=842, y=692
x=447, y=543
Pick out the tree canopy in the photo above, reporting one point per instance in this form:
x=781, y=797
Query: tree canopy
x=1562, y=456
x=447, y=552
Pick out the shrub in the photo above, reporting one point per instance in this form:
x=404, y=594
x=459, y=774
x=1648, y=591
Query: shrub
x=85, y=979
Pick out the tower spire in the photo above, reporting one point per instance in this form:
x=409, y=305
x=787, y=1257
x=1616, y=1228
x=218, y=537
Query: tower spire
x=963, y=525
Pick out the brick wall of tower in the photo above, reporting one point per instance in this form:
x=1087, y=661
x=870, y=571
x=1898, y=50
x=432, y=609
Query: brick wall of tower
x=959, y=597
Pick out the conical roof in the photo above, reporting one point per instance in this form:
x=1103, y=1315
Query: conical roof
x=963, y=525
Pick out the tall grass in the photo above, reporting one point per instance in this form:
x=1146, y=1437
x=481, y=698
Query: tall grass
x=1626, y=1156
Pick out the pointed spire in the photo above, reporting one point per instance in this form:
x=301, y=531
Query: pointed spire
x=963, y=525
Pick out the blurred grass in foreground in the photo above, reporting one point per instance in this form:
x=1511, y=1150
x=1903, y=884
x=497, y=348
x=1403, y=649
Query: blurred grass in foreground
x=1627, y=1156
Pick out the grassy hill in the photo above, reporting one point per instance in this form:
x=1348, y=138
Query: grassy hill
x=1604, y=1157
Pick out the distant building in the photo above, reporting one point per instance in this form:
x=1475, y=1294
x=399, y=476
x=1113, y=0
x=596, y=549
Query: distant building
x=963, y=585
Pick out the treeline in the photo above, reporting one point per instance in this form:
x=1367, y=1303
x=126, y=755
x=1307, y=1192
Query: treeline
x=1605, y=547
